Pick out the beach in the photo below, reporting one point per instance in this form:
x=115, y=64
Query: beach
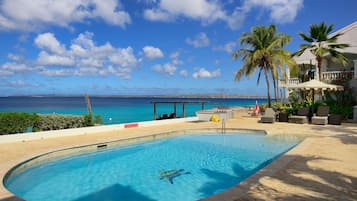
x=321, y=167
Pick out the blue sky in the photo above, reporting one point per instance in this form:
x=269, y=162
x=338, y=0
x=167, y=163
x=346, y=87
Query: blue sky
x=143, y=47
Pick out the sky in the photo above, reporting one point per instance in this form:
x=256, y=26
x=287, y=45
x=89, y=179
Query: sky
x=144, y=47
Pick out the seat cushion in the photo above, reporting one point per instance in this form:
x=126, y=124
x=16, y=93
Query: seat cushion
x=319, y=120
x=298, y=119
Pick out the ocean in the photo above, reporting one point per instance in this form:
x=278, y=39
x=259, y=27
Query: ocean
x=115, y=110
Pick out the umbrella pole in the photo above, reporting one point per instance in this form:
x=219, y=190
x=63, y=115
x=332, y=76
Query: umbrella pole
x=313, y=101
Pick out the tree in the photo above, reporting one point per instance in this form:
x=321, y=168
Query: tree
x=264, y=52
x=321, y=44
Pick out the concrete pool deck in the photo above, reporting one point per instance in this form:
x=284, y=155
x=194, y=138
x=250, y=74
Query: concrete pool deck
x=322, y=167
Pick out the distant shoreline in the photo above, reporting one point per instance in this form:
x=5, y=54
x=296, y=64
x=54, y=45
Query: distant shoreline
x=221, y=96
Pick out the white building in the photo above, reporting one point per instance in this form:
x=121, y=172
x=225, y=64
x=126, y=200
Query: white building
x=332, y=71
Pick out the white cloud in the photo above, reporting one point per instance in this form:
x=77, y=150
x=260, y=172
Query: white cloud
x=48, y=42
x=54, y=60
x=207, y=11
x=55, y=73
x=17, y=83
x=111, y=12
x=124, y=58
x=280, y=11
x=168, y=69
x=184, y=73
x=157, y=15
x=32, y=15
x=151, y=52
x=228, y=47
x=236, y=19
x=15, y=67
x=4, y=72
x=175, y=58
x=200, y=40
x=11, y=68
x=83, y=58
x=203, y=73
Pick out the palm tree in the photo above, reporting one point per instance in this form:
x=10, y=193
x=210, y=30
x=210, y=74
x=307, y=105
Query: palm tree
x=264, y=52
x=321, y=44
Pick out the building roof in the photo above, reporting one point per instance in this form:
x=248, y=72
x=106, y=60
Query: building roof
x=349, y=37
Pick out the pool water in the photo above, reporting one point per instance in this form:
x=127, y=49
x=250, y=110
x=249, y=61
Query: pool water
x=196, y=166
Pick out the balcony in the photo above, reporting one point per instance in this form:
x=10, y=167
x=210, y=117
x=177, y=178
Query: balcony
x=328, y=76
x=337, y=75
x=289, y=82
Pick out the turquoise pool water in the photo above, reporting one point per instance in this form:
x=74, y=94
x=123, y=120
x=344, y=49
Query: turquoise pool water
x=196, y=166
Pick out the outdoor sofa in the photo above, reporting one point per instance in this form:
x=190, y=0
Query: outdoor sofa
x=321, y=117
x=269, y=116
x=302, y=116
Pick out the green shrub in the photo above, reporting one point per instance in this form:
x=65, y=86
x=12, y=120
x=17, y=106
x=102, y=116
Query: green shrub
x=262, y=108
x=340, y=102
x=289, y=109
x=90, y=121
x=16, y=122
x=98, y=120
x=56, y=122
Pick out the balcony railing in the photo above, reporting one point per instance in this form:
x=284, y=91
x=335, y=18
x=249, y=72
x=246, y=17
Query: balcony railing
x=337, y=75
x=289, y=82
x=327, y=76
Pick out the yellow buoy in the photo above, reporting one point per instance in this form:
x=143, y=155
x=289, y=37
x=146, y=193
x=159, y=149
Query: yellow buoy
x=215, y=118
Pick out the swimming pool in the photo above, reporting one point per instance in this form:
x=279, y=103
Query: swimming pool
x=184, y=167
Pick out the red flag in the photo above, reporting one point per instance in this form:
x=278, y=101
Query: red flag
x=256, y=111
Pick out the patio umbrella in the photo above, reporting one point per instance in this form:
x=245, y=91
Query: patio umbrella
x=316, y=85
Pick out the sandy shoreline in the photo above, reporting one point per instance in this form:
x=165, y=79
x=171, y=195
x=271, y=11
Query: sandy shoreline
x=322, y=167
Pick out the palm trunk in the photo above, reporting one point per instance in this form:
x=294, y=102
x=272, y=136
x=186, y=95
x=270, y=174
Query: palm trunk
x=268, y=86
x=319, y=66
x=275, y=89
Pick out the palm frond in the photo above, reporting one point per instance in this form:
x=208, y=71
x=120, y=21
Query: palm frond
x=239, y=74
x=334, y=38
x=306, y=38
x=338, y=57
x=338, y=46
x=259, y=74
x=240, y=53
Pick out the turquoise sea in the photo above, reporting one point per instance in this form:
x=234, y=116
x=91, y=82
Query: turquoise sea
x=114, y=110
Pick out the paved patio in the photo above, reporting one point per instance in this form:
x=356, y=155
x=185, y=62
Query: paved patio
x=322, y=167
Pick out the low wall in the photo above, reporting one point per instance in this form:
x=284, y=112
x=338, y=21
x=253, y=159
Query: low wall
x=205, y=115
x=87, y=130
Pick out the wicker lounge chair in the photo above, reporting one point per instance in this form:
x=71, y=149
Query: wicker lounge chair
x=321, y=117
x=302, y=116
x=269, y=116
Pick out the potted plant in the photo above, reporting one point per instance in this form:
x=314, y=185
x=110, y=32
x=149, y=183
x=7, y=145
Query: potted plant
x=284, y=113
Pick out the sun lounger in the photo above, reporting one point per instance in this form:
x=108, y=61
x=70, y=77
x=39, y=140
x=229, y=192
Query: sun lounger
x=302, y=116
x=321, y=117
x=269, y=116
